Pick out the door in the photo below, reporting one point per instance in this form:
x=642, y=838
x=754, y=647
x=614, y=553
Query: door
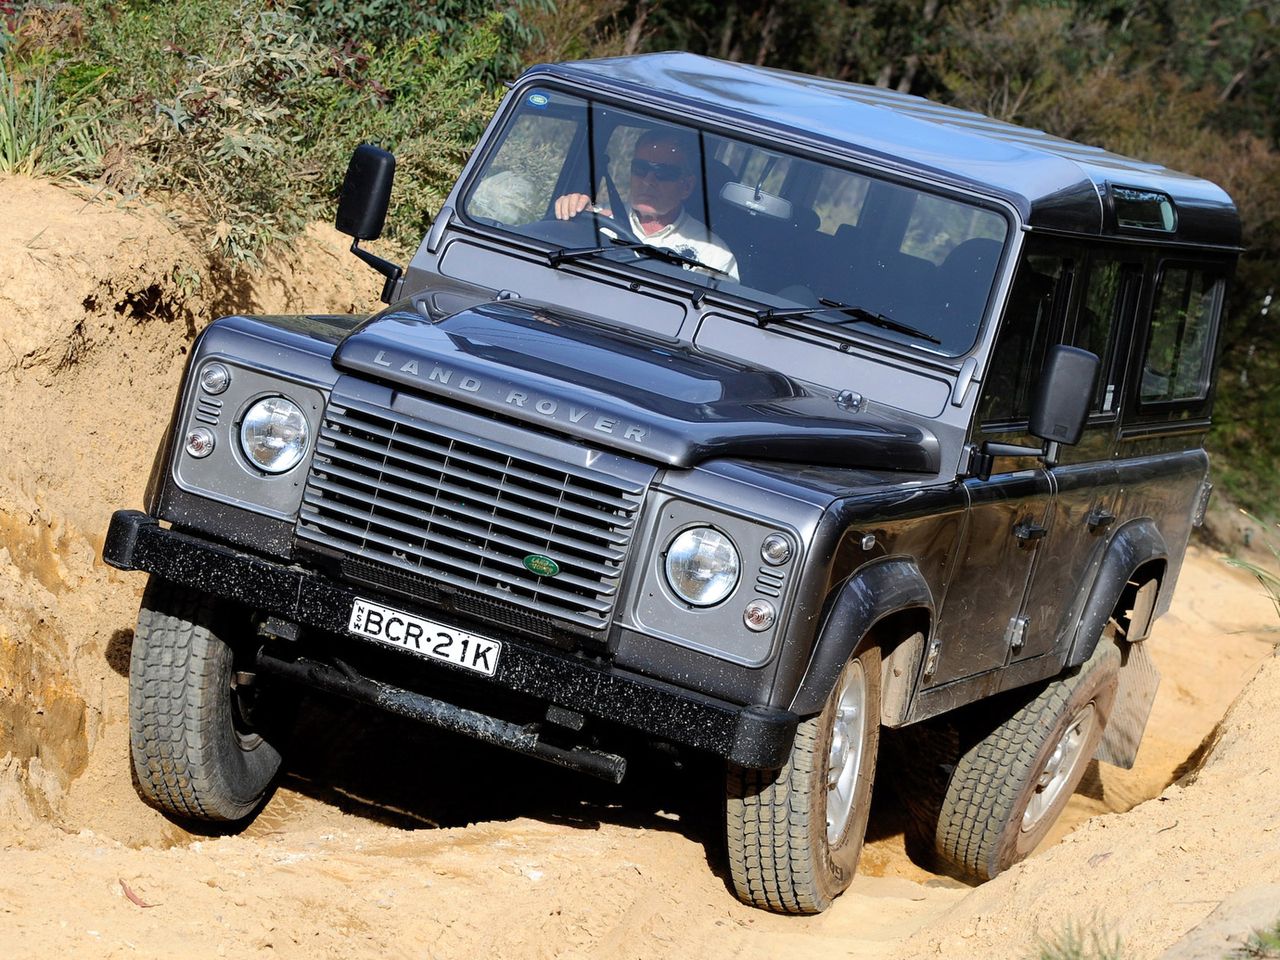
x=1008, y=520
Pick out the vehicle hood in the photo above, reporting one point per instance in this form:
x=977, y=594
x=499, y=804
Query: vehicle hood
x=651, y=398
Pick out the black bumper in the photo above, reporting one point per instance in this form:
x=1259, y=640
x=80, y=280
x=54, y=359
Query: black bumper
x=751, y=736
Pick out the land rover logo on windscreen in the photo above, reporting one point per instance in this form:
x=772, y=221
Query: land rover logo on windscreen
x=541, y=566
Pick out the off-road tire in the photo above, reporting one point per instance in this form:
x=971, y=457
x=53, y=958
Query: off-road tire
x=779, y=855
x=193, y=754
x=980, y=829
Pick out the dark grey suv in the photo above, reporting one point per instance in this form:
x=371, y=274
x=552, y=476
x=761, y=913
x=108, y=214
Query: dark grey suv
x=746, y=411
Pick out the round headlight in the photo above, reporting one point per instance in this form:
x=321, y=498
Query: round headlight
x=274, y=434
x=702, y=566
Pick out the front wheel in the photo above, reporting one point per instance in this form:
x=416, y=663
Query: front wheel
x=795, y=834
x=195, y=752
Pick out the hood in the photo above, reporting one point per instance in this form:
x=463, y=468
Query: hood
x=624, y=390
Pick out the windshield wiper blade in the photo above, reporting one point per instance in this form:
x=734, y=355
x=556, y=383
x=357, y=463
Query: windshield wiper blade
x=566, y=255
x=670, y=256
x=570, y=254
x=860, y=314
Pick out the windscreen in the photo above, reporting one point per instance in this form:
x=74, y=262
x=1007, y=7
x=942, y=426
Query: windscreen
x=803, y=240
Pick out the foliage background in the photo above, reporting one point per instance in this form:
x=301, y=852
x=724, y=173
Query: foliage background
x=239, y=115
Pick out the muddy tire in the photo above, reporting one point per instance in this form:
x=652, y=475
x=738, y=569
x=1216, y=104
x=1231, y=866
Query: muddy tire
x=795, y=834
x=194, y=753
x=1009, y=787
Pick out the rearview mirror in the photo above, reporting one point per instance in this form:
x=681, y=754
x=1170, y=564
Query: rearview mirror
x=366, y=192
x=1067, y=385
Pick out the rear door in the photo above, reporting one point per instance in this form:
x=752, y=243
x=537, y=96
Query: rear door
x=1086, y=479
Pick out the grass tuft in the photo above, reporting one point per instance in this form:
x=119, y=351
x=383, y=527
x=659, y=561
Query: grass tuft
x=1078, y=941
x=1268, y=578
x=41, y=135
x=1262, y=945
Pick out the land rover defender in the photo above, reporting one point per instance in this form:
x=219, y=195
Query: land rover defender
x=894, y=421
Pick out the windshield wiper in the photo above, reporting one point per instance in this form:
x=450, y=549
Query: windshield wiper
x=566, y=255
x=860, y=314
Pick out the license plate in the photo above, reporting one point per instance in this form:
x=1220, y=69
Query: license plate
x=424, y=637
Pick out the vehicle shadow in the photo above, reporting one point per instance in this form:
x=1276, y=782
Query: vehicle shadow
x=381, y=767
x=390, y=770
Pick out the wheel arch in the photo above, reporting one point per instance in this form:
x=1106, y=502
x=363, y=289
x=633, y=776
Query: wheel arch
x=886, y=603
x=1126, y=587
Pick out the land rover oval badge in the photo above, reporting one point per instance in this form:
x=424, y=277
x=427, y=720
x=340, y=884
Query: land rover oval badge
x=541, y=566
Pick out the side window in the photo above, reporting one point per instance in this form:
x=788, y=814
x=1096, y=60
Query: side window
x=1177, y=360
x=1039, y=296
x=1110, y=297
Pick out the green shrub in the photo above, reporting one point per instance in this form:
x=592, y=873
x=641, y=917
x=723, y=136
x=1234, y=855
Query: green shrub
x=425, y=105
x=383, y=24
x=242, y=117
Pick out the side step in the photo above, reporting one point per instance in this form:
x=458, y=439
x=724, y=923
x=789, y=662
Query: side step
x=520, y=739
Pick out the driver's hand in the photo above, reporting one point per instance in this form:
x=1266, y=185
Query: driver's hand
x=571, y=204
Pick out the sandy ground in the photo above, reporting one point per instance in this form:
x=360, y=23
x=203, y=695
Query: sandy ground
x=388, y=840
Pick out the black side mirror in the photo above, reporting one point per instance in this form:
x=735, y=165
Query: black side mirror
x=362, y=208
x=366, y=193
x=1067, y=385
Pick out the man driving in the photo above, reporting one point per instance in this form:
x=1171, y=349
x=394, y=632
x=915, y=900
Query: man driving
x=663, y=176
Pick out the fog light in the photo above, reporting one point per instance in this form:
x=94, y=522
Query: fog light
x=759, y=615
x=215, y=378
x=776, y=549
x=199, y=442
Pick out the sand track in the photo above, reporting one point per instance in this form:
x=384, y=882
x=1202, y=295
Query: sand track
x=386, y=839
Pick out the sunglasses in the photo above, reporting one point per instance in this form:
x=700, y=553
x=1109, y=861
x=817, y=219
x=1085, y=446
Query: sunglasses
x=662, y=172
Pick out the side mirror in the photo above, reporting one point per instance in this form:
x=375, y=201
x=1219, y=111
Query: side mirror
x=1067, y=385
x=362, y=208
x=366, y=193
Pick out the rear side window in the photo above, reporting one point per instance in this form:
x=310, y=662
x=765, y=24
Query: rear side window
x=1178, y=355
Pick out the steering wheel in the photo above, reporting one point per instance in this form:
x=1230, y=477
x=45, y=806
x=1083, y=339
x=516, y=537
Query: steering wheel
x=605, y=221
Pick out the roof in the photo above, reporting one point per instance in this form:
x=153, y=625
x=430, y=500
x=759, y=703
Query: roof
x=1055, y=183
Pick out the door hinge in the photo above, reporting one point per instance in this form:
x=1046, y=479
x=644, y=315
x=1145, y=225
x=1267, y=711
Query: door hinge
x=1017, y=634
x=931, y=659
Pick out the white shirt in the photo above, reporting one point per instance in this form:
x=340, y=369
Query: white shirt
x=689, y=238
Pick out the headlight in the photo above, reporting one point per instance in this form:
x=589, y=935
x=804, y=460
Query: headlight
x=702, y=566
x=274, y=434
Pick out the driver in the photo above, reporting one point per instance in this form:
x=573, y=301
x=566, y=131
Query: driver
x=662, y=178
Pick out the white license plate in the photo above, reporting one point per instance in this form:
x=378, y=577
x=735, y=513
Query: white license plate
x=425, y=637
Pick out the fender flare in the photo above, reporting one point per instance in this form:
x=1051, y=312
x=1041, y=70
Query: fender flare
x=883, y=587
x=1134, y=544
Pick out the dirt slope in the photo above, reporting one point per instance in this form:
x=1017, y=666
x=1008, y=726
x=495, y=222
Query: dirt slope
x=388, y=840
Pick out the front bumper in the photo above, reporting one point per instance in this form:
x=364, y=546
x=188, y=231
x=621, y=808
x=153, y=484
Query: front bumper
x=751, y=736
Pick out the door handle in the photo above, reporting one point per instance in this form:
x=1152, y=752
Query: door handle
x=1100, y=518
x=1029, y=531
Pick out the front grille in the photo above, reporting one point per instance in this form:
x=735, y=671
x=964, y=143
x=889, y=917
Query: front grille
x=457, y=515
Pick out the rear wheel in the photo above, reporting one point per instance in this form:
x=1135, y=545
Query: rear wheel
x=795, y=834
x=1009, y=787
x=196, y=751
